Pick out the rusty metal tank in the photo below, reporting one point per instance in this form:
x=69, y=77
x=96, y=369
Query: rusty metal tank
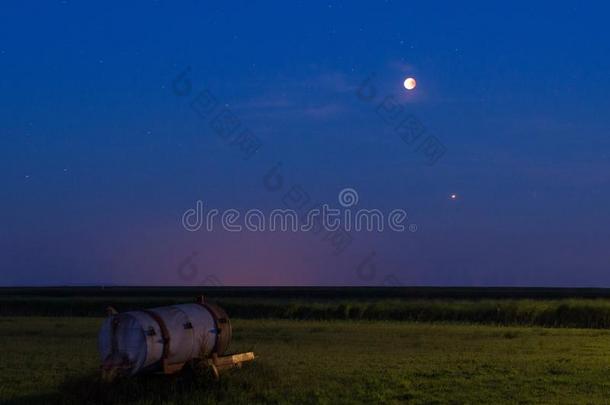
x=163, y=339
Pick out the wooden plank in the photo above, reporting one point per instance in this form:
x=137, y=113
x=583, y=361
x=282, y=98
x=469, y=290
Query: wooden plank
x=233, y=359
x=222, y=363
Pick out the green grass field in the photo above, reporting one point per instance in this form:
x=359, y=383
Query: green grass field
x=572, y=308
x=54, y=360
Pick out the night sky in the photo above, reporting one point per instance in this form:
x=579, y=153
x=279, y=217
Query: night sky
x=102, y=151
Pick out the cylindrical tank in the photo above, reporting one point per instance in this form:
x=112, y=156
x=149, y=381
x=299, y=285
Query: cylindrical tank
x=163, y=339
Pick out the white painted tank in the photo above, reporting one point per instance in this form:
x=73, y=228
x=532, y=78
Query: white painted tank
x=163, y=339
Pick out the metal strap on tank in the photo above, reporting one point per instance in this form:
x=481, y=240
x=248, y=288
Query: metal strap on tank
x=114, y=345
x=216, y=323
x=164, y=331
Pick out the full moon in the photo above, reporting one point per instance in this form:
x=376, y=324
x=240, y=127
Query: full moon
x=410, y=83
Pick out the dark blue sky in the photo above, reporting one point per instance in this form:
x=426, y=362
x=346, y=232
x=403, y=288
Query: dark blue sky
x=99, y=158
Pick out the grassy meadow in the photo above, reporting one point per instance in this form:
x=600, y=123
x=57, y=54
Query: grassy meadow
x=333, y=354
x=574, y=313
x=53, y=360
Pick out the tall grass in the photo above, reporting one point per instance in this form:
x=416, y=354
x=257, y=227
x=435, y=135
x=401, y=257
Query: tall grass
x=577, y=313
x=551, y=313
